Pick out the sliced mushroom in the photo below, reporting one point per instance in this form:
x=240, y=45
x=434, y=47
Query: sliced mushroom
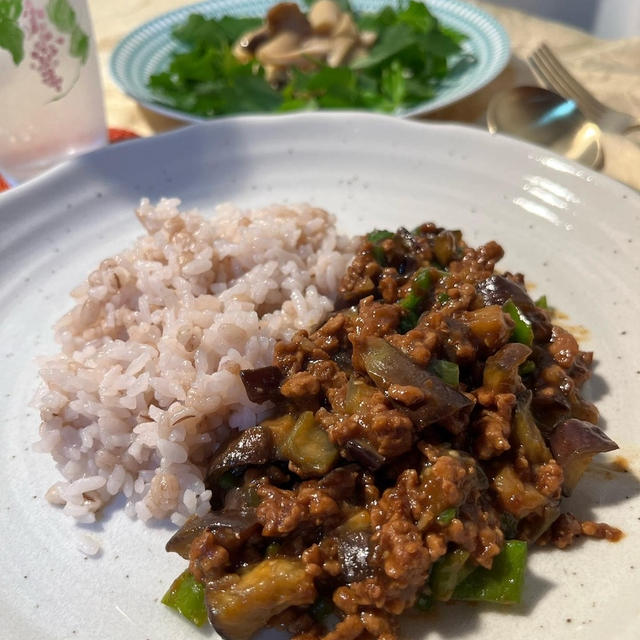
x=340, y=49
x=245, y=47
x=277, y=48
x=324, y=16
x=305, y=55
x=286, y=16
x=345, y=27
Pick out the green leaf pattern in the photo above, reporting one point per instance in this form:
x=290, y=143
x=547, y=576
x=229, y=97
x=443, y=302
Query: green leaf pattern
x=63, y=17
x=60, y=14
x=11, y=36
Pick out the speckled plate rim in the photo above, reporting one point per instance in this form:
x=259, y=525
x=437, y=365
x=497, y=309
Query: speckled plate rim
x=145, y=50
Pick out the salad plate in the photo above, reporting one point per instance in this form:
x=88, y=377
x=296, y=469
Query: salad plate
x=147, y=50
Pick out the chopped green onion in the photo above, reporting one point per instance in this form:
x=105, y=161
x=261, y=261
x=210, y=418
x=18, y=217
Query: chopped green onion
x=378, y=255
x=273, y=548
x=542, y=302
x=424, y=602
x=528, y=367
x=447, y=573
x=186, y=595
x=408, y=321
x=448, y=372
x=522, y=331
x=443, y=297
x=503, y=582
x=445, y=517
x=411, y=303
x=378, y=235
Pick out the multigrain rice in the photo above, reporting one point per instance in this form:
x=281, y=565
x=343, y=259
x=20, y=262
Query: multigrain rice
x=147, y=380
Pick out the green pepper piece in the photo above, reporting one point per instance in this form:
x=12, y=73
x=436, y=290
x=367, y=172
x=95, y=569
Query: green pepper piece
x=542, y=302
x=445, y=517
x=421, y=282
x=378, y=235
x=502, y=583
x=448, y=372
x=186, y=595
x=411, y=303
x=522, y=331
x=445, y=574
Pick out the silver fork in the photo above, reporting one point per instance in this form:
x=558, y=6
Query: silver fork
x=556, y=77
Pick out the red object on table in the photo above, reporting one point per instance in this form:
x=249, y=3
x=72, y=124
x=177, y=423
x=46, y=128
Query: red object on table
x=118, y=135
x=115, y=135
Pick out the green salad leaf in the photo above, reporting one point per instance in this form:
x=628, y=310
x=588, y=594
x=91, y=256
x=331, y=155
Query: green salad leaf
x=412, y=55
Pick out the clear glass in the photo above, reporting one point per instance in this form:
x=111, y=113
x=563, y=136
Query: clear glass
x=51, y=102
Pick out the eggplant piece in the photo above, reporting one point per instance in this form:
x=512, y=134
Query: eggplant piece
x=242, y=523
x=386, y=365
x=358, y=395
x=501, y=369
x=573, y=444
x=498, y=290
x=250, y=447
x=262, y=384
x=364, y=454
x=308, y=447
x=240, y=605
x=353, y=553
x=526, y=434
x=515, y=496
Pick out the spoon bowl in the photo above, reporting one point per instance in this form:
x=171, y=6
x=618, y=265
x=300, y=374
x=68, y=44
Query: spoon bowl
x=546, y=119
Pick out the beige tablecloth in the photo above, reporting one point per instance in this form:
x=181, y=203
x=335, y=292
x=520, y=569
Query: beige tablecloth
x=610, y=68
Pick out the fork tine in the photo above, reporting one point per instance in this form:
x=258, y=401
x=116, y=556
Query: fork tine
x=558, y=82
x=583, y=96
x=542, y=75
x=551, y=76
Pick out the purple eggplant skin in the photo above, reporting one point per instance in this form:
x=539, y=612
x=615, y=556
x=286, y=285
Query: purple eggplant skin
x=573, y=444
x=239, y=523
x=501, y=369
x=497, y=290
x=363, y=453
x=252, y=446
x=386, y=365
x=262, y=384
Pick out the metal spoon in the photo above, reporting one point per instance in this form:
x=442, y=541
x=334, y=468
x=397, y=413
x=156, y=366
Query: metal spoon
x=546, y=119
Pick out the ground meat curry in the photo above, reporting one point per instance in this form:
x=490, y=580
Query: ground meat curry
x=420, y=439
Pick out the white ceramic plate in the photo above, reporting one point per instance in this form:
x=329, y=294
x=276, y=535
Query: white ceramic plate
x=147, y=49
x=574, y=233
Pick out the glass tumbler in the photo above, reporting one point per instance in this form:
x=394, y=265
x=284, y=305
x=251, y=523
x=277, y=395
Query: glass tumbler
x=51, y=102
